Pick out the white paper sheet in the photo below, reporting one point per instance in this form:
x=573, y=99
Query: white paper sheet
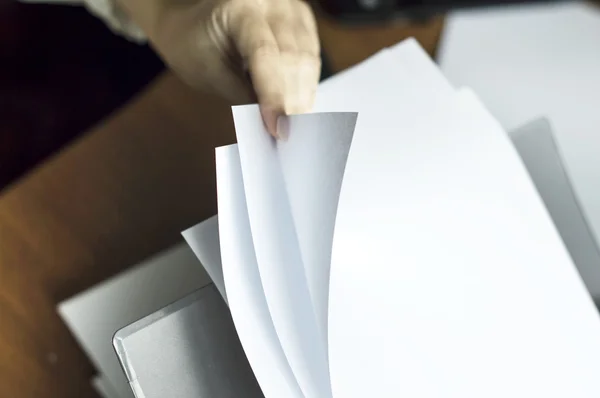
x=243, y=284
x=535, y=142
x=393, y=86
x=531, y=61
x=278, y=254
x=275, y=237
x=367, y=87
x=312, y=160
x=435, y=286
x=203, y=239
x=414, y=167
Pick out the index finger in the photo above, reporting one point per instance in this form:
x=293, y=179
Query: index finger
x=258, y=47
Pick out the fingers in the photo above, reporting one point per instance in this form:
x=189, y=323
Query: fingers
x=302, y=68
x=194, y=59
x=279, y=43
x=295, y=31
x=257, y=45
x=307, y=38
x=226, y=82
x=308, y=41
x=284, y=35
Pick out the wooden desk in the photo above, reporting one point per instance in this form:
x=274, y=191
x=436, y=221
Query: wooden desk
x=115, y=197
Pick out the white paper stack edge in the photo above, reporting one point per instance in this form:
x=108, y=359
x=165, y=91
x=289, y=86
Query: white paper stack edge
x=527, y=61
x=398, y=248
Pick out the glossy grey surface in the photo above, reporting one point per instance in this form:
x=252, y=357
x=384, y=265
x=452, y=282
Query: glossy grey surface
x=189, y=349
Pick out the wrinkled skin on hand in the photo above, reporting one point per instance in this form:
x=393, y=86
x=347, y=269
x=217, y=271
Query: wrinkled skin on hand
x=244, y=50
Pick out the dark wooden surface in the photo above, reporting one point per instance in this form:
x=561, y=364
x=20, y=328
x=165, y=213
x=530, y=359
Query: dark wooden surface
x=114, y=197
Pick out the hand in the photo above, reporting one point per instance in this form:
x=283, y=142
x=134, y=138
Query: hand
x=245, y=50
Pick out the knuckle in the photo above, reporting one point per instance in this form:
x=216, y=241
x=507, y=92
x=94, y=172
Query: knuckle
x=265, y=48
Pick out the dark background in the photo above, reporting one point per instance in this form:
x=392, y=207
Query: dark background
x=61, y=71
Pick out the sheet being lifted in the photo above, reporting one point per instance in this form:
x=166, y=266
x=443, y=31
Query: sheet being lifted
x=397, y=227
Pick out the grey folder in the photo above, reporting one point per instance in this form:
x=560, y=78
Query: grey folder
x=190, y=348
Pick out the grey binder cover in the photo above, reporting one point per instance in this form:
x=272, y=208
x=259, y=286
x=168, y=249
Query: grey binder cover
x=190, y=349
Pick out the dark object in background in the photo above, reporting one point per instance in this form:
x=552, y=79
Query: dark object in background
x=325, y=67
x=371, y=11
x=61, y=71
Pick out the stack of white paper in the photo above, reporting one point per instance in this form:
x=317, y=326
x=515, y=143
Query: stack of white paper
x=393, y=245
x=537, y=60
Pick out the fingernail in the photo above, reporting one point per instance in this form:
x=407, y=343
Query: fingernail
x=283, y=127
x=270, y=117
